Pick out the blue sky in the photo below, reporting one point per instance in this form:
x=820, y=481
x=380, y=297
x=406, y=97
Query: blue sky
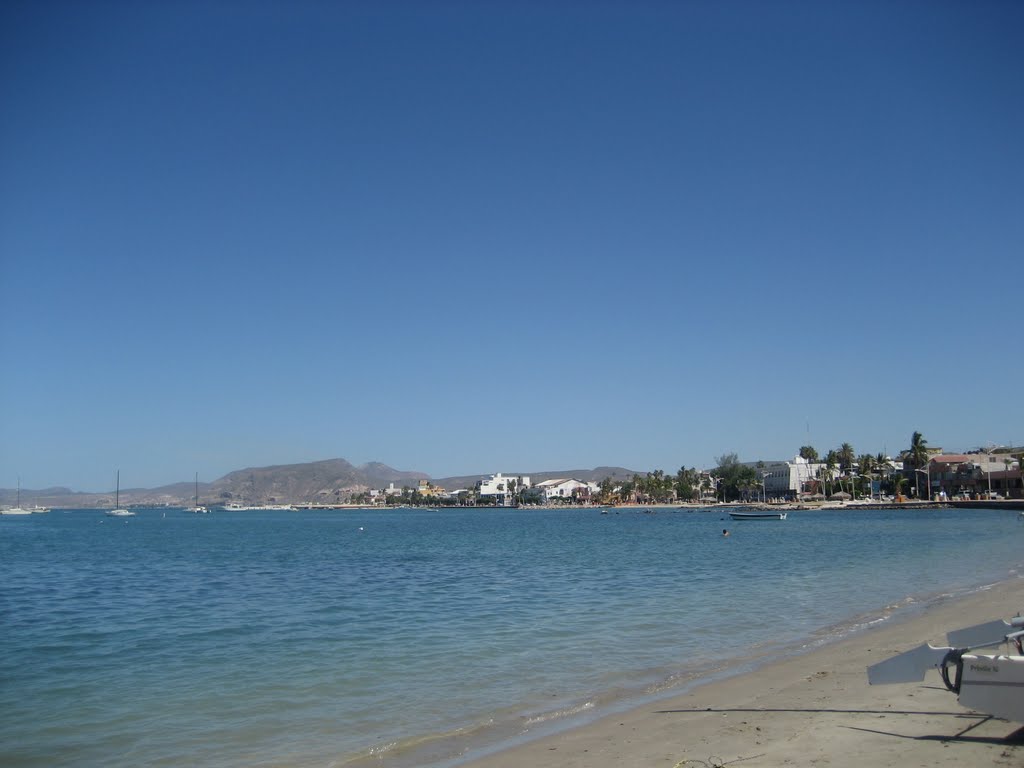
x=467, y=237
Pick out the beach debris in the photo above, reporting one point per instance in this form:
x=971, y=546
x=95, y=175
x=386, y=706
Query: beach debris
x=713, y=762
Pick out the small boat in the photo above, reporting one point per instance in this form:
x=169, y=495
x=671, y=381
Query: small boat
x=198, y=509
x=17, y=510
x=763, y=514
x=989, y=683
x=117, y=511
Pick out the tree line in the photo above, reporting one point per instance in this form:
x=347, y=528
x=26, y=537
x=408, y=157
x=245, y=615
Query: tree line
x=730, y=480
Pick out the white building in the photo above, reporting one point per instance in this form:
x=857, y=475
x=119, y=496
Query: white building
x=505, y=487
x=566, y=489
x=786, y=479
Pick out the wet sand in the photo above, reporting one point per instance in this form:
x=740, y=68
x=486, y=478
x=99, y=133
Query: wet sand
x=815, y=709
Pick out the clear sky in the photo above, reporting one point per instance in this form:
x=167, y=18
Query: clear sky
x=467, y=237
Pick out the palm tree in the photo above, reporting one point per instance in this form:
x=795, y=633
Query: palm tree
x=866, y=465
x=918, y=453
x=846, y=456
x=827, y=474
x=898, y=481
x=917, y=457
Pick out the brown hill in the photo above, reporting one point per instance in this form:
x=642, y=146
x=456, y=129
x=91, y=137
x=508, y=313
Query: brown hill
x=324, y=482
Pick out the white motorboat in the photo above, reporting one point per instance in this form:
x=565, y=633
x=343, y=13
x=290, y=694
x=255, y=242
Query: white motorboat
x=117, y=511
x=762, y=514
x=993, y=684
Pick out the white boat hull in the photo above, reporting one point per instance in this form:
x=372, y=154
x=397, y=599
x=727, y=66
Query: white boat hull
x=994, y=685
x=990, y=684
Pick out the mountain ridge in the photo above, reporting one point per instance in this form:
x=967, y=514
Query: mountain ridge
x=328, y=481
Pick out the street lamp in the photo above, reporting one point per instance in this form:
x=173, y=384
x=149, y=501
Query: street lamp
x=928, y=489
x=764, y=491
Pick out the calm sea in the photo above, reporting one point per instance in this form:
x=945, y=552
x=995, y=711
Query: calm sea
x=406, y=637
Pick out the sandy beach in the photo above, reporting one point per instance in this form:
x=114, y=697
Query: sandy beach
x=816, y=709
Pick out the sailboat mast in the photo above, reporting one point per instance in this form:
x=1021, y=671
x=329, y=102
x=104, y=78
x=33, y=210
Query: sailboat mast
x=117, y=491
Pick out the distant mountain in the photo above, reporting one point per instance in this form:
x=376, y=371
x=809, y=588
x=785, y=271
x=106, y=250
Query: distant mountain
x=328, y=481
x=324, y=482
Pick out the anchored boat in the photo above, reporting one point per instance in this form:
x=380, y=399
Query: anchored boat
x=763, y=514
x=117, y=511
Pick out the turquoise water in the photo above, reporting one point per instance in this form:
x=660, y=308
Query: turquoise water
x=406, y=637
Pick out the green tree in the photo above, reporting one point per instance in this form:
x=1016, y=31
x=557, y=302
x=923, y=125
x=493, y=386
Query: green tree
x=896, y=483
x=627, y=492
x=866, y=467
x=808, y=452
x=916, y=456
x=828, y=473
x=686, y=484
x=736, y=479
x=846, y=457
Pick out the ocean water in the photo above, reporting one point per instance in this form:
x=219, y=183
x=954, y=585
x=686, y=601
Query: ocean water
x=413, y=637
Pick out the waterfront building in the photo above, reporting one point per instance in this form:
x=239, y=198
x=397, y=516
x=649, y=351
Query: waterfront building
x=503, y=487
x=428, y=490
x=565, y=490
x=787, y=479
x=974, y=475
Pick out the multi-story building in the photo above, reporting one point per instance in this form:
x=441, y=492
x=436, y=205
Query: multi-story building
x=503, y=487
x=786, y=479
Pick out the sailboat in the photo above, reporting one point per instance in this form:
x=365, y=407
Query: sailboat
x=117, y=511
x=17, y=510
x=197, y=509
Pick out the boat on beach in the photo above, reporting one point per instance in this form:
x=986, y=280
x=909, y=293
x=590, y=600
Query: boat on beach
x=761, y=514
x=989, y=683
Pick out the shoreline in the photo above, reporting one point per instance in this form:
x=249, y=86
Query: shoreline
x=810, y=707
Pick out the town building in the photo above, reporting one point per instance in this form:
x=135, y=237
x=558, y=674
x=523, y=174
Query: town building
x=503, y=488
x=568, y=490
x=973, y=475
x=429, y=490
x=787, y=479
